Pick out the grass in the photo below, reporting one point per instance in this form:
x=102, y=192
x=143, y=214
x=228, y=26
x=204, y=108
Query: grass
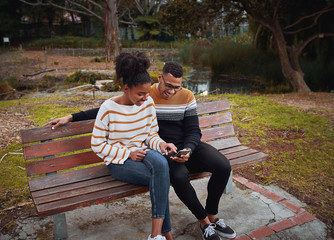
x=300, y=147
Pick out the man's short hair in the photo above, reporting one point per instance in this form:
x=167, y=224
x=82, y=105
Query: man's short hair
x=173, y=68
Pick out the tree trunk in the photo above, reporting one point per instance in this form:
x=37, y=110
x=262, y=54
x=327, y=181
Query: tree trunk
x=112, y=42
x=292, y=73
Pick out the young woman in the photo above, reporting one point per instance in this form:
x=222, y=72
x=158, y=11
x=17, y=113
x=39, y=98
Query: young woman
x=126, y=137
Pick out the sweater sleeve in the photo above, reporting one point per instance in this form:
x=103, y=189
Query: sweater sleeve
x=153, y=140
x=99, y=142
x=85, y=115
x=192, y=131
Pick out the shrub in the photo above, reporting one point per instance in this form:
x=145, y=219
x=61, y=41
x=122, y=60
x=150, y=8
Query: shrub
x=81, y=77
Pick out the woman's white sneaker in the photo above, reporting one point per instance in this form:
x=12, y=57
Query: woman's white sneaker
x=158, y=237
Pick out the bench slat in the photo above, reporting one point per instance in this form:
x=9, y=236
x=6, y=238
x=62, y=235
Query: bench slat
x=233, y=149
x=78, y=192
x=46, y=133
x=240, y=153
x=68, y=177
x=249, y=159
x=57, y=147
x=213, y=107
x=225, y=143
x=61, y=163
x=89, y=199
x=216, y=119
x=68, y=187
x=217, y=132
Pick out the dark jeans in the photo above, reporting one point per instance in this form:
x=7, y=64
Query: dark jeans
x=205, y=158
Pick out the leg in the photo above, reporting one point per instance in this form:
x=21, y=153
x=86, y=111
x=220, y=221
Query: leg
x=154, y=172
x=179, y=175
x=207, y=158
x=159, y=188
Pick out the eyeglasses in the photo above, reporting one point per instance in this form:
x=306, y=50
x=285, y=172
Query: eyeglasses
x=170, y=86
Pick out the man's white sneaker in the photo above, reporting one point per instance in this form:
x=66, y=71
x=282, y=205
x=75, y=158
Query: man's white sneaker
x=223, y=230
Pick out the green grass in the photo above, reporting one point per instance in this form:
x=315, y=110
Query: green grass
x=300, y=147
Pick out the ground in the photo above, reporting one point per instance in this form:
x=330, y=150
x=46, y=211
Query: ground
x=13, y=119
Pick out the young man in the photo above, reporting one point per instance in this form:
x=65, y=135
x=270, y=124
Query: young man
x=178, y=123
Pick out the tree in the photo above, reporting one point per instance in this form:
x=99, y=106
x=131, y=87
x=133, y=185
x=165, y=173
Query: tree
x=104, y=10
x=143, y=15
x=285, y=20
x=183, y=17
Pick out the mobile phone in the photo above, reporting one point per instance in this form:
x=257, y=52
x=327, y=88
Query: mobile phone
x=182, y=152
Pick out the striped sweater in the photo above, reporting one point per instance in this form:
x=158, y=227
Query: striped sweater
x=121, y=129
x=178, y=118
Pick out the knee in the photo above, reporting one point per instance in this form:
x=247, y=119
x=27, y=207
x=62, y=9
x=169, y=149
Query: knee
x=223, y=167
x=158, y=161
x=179, y=177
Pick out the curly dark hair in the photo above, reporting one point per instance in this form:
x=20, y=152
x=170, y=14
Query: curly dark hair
x=132, y=68
x=173, y=68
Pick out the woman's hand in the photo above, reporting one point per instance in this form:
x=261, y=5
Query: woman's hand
x=167, y=148
x=59, y=121
x=138, y=155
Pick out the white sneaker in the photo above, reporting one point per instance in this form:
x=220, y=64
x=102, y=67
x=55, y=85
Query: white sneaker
x=158, y=237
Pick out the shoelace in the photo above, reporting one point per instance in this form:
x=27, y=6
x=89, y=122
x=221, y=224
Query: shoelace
x=221, y=223
x=209, y=230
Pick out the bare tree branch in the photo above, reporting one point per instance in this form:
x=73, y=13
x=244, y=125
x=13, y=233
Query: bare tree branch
x=311, y=38
x=95, y=4
x=140, y=9
x=276, y=9
x=85, y=10
x=316, y=15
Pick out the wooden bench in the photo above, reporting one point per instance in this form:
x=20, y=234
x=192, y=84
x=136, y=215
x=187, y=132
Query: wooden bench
x=64, y=173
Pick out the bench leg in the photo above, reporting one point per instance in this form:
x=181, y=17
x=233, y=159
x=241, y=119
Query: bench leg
x=229, y=184
x=60, y=226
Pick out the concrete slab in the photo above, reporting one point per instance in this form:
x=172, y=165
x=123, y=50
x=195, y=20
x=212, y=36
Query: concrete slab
x=248, y=212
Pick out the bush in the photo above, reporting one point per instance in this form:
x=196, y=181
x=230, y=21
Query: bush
x=85, y=77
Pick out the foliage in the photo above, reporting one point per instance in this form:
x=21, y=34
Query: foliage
x=149, y=28
x=65, y=42
x=84, y=77
x=228, y=56
x=189, y=17
x=9, y=26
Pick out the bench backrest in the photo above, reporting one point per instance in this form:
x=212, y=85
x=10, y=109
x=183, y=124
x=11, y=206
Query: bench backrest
x=68, y=147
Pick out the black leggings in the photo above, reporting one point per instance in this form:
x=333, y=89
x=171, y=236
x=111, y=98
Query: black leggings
x=205, y=158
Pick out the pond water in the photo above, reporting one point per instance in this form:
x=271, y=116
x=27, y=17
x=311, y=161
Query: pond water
x=201, y=81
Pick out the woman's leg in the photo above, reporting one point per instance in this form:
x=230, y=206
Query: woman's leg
x=159, y=187
x=154, y=172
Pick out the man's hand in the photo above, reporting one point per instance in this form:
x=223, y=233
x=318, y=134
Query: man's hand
x=167, y=148
x=59, y=122
x=138, y=155
x=182, y=159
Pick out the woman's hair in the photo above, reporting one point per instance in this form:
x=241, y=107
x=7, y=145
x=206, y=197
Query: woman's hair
x=132, y=68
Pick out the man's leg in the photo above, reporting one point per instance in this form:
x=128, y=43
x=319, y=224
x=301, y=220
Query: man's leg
x=207, y=158
x=179, y=177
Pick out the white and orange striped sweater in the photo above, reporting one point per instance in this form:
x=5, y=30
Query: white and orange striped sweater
x=121, y=129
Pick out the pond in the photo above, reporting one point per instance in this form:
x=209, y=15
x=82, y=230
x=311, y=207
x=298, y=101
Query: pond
x=201, y=81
